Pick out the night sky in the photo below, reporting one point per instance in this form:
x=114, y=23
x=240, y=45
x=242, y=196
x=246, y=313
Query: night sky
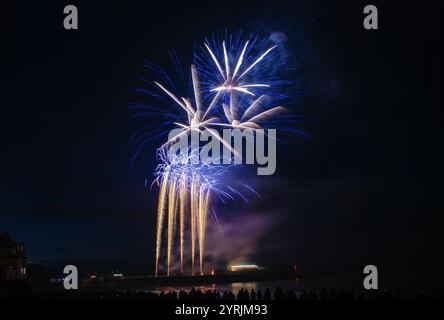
x=363, y=188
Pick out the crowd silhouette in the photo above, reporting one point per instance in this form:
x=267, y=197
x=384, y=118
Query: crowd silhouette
x=280, y=294
x=215, y=295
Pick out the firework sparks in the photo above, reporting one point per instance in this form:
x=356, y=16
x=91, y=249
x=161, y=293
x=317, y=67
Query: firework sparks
x=251, y=117
x=232, y=81
x=196, y=120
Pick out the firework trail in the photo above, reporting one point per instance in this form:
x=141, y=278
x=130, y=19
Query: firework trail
x=161, y=213
x=183, y=206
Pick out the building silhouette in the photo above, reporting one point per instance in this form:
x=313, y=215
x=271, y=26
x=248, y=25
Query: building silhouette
x=12, y=259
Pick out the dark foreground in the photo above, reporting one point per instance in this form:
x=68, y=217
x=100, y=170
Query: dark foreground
x=213, y=295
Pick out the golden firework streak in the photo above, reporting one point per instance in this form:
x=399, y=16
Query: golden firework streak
x=182, y=199
x=171, y=220
x=160, y=215
x=194, y=197
x=202, y=217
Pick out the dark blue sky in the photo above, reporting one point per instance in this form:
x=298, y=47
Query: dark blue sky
x=364, y=188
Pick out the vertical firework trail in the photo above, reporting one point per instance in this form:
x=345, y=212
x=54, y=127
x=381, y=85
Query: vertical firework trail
x=183, y=201
x=172, y=196
x=160, y=214
x=202, y=219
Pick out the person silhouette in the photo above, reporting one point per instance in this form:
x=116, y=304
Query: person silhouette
x=259, y=295
x=267, y=295
x=252, y=295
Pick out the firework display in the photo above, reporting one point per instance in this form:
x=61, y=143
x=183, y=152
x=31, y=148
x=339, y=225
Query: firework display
x=234, y=93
